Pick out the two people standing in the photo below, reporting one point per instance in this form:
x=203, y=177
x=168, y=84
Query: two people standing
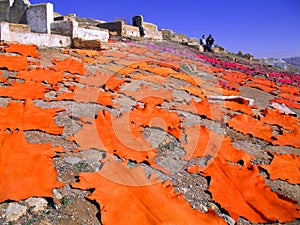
x=207, y=43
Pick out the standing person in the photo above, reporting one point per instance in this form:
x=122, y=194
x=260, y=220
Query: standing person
x=209, y=42
x=203, y=42
x=137, y=21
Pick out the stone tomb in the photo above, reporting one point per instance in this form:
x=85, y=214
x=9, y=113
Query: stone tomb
x=40, y=28
x=121, y=28
x=17, y=33
x=126, y=30
x=40, y=17
x=37, y=28
x=150, y=29
x=71, y=29
x=13, y=11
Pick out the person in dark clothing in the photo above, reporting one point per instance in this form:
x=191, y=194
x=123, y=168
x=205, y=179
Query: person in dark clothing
x=203, y=42
x=137, y=22
x=142, y=32
x=209, y=42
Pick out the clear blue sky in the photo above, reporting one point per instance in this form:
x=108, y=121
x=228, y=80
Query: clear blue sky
x=263, y=28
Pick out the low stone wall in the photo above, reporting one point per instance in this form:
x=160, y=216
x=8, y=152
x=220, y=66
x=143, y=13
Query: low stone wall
x=149, y=26
x=40, y=17
x=125, y=30
x=32, y=38
x=70, y=28
x=121, y=28
x=13, y=27
x=116, y=26
x=90, y=34
x=63, y=27
x=130, y=31
x=153, y=34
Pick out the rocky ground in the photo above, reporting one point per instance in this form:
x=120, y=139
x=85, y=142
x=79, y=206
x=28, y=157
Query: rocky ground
x=69, y=205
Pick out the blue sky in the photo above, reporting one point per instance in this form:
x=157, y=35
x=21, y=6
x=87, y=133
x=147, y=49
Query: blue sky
x=263, y=28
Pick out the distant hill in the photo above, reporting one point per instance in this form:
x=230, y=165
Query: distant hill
x=293, y=61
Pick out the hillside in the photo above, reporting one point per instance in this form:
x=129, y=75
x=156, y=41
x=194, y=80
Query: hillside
x=293, y=61
x=140, y=133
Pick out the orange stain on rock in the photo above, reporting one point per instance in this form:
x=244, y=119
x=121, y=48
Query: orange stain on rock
x=243, y=193
x=18, y=115
x=87, y=53
x=26, y=90
x=289, y=89
x=115, y=135
x=196, y=91
x=153, y=79
x=289, y=96
x=25, y=50
x=152, y=201
x=162, y=71
x=274, y=117
x=284, y=167
x=289, y=138
x=88, y=95
x=146, y=91
x=234, y=76
x=41, y=75
x=248, y=125
x=263, y=87
x=113, y=83
x=26, y=169
x=188, y=78
x=170, y=121
x=15, y=63
x=237, y=107
x=69, y=65
x=287, y=102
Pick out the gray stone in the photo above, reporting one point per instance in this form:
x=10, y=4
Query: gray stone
x=72, y=160
x=93, y=155
x=37, y=204
x=88, y=44
x=56, y=194
x=4, y=10
x=18, y=11
x=116, y=26
x=40, y=17
x=14, y=211
x=228, y=219
x=63, y=27
x=93, y=158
